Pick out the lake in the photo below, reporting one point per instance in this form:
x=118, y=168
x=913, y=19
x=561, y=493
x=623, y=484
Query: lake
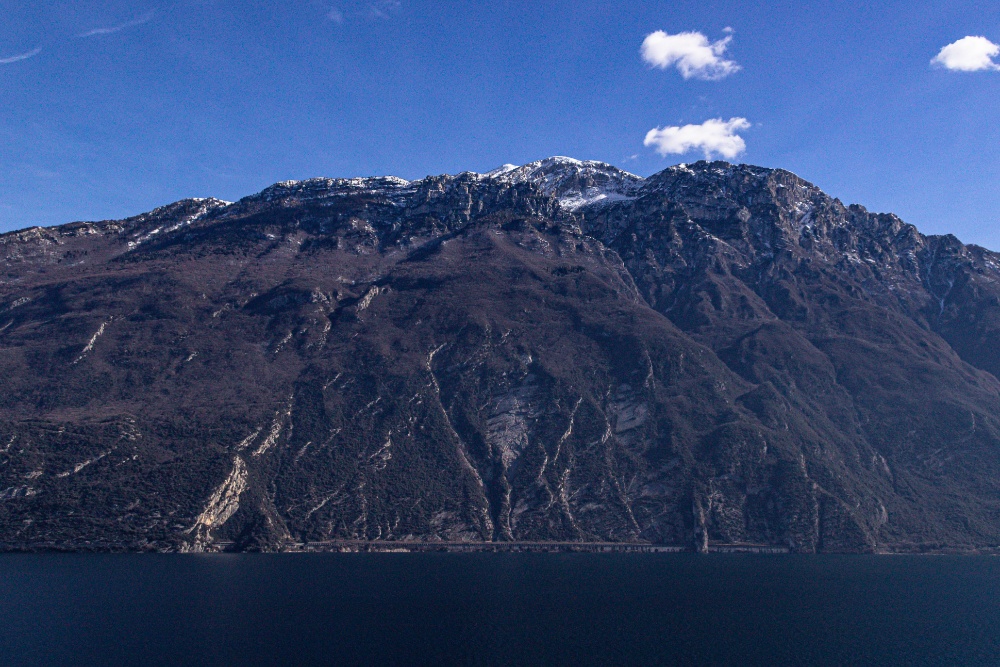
x=499, y=609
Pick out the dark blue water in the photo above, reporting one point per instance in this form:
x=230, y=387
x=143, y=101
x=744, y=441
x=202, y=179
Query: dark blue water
x=499, y=609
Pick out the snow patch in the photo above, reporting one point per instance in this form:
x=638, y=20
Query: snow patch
x=575, y=183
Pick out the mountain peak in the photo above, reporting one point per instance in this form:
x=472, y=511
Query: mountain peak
x=575, y=183
x=722, y=355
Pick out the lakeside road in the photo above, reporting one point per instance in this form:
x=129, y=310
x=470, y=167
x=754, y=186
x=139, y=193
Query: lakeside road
x=506, y=547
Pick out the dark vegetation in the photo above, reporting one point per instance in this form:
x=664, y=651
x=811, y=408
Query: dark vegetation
x=728, y=356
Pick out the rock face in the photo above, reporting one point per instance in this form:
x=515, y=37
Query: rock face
x=714, y=355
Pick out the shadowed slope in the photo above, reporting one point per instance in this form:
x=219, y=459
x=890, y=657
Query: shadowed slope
x=558, y=352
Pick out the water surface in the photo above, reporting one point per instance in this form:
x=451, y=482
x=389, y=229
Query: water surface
x=499, y=609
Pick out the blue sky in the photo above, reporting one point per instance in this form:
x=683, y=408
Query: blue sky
x=113, y=108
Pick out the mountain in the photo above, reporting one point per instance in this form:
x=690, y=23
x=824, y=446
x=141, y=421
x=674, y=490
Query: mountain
x=715, y=355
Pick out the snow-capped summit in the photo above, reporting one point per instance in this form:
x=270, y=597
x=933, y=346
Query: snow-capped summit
x=501, y=170
x=576, y=183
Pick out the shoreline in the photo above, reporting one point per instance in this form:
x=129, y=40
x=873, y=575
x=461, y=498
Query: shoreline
x=378, y=546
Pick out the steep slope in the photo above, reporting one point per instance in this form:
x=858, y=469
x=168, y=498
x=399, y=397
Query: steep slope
x=849, y=318
x=562, y=351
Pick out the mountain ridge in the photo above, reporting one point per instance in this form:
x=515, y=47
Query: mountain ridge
x=716, y=354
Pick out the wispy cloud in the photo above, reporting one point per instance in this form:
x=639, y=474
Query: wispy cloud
x=362, y=10
x=382, y=9
x=21, y=56
x=969, y=54
x=691, y=52
x=712, y=137
x=145, y=18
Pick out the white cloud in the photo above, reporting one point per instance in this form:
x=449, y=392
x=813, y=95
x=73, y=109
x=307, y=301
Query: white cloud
x=714, y=136
x=969, y=54
x=382, y=9
x=354, y=10
x=145, y=18
x=692, y=54
x=21, y=56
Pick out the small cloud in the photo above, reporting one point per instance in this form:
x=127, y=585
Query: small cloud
x=145, y=18
x=969, y=54
x=362, y=10
x=714, y=136
x=21, y=56
x=383, y=8
x=691, y=52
